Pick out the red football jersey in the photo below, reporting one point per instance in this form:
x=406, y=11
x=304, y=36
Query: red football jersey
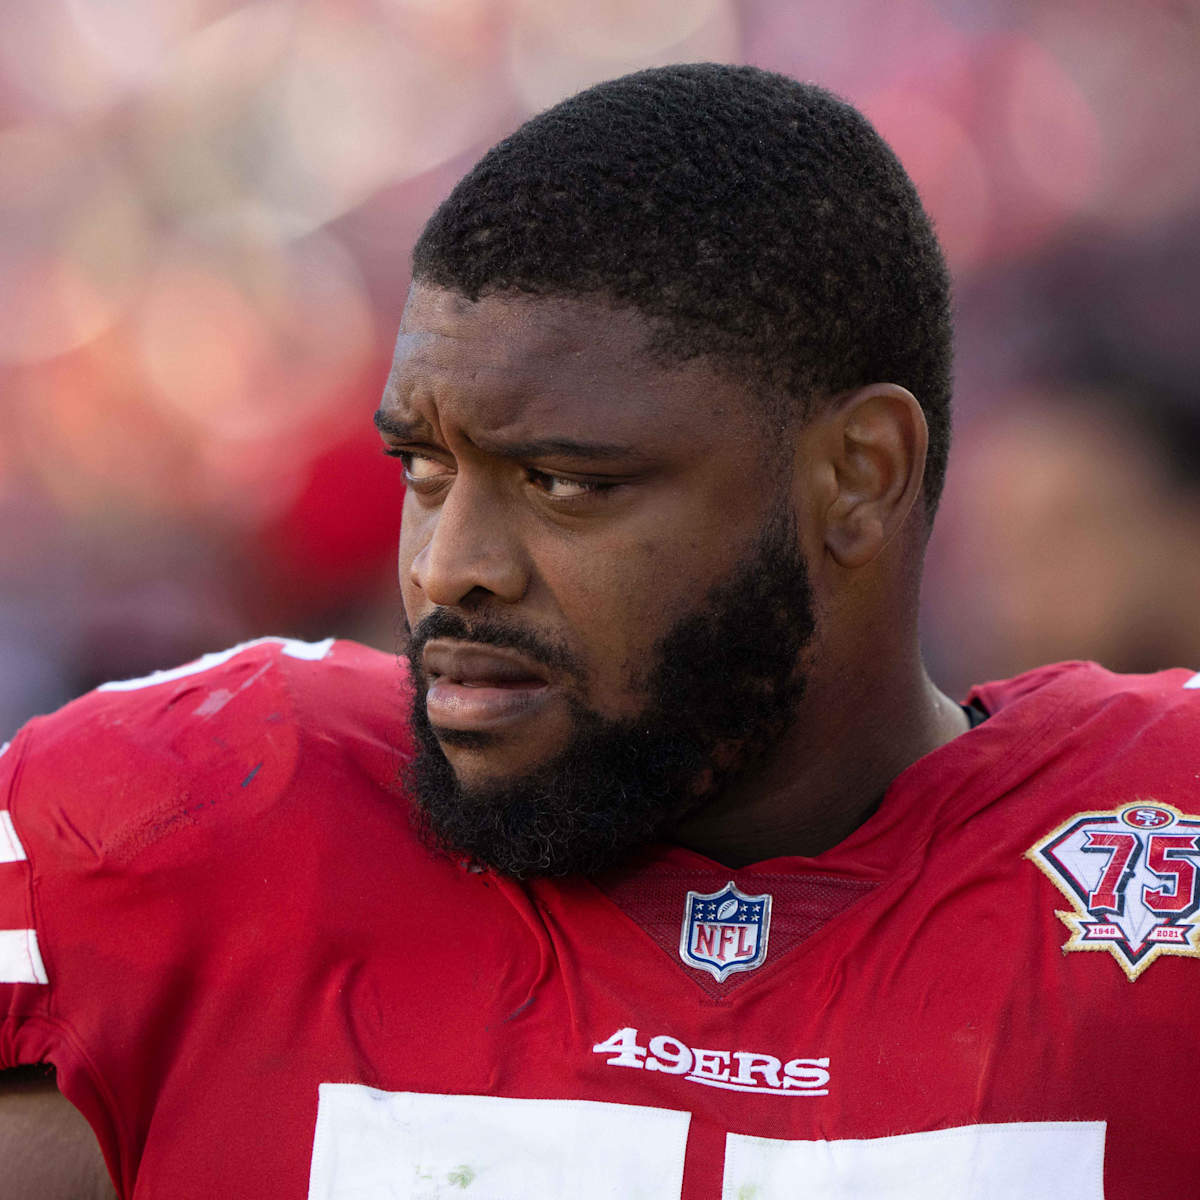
x=254, y=981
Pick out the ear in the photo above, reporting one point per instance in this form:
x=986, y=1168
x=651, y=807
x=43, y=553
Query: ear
x=875, y=440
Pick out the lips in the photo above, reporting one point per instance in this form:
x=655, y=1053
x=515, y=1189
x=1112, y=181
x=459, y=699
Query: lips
x=478, y=687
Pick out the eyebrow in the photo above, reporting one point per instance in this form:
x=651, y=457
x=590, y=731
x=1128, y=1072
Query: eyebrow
x=404, y=431
x=420, y=430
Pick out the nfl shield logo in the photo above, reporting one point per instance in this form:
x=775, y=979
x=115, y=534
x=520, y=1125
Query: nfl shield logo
x=725, y=931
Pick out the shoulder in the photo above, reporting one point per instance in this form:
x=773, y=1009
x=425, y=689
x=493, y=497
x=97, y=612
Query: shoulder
x=1084, y=690
x=216, y=689
x=1079, y=726
x=156, y=751
x=1099, y=791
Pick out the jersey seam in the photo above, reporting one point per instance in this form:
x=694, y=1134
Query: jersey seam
x=68, y=1036
x=47, y=948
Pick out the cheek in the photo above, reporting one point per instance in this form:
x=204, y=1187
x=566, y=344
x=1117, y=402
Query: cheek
x=618, y=606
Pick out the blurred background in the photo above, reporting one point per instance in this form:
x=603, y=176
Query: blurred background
x=206, y=209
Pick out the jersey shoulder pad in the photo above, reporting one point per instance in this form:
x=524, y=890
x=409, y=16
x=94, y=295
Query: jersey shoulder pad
x=1087, y=684
x=137, y=759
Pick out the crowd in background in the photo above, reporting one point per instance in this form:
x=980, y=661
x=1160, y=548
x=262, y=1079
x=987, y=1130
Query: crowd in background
x=206, y=208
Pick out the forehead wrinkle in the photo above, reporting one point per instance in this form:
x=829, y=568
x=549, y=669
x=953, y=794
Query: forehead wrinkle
x=441, y=364
x=523, y=372
x=436, y=402
x=415, y=427
x=515, y=411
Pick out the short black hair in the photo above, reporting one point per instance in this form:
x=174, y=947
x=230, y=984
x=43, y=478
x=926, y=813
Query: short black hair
x=756, y=221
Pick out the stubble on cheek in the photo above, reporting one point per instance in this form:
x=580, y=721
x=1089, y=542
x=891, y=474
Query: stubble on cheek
x=619, y=623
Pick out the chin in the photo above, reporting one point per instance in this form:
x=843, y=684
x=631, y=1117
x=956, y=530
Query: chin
x=485, y=762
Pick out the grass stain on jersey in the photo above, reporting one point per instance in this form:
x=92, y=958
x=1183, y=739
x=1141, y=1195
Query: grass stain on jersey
x=462, y=1176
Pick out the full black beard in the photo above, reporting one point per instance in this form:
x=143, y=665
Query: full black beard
x=723, y=685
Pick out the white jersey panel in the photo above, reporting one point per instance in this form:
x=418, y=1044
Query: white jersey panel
x=420, y=1146
x=1052, y=1160
x=20, y=959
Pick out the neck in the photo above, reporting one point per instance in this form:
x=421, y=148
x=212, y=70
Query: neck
x=830, y=770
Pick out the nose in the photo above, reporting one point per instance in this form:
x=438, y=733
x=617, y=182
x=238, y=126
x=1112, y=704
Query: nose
x=467, y=543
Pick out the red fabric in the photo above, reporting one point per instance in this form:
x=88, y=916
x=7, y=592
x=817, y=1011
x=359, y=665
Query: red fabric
x=232, y=910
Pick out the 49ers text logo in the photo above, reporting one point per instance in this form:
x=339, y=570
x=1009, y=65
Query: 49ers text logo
x=733, y=1070
x=1131, y=875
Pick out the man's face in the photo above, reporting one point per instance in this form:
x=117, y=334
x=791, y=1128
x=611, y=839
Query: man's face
x=600, y=568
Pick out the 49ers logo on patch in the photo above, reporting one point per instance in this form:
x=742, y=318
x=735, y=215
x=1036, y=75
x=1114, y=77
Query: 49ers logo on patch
x=1132, y=876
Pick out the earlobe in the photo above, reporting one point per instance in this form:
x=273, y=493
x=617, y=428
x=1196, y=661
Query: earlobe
x=877, y=444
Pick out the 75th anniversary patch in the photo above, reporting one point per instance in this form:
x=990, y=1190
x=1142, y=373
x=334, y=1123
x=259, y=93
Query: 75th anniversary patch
x=1131, y=877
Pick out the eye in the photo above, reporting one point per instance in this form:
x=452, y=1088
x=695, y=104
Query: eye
x=559, y=487
x=419, y=468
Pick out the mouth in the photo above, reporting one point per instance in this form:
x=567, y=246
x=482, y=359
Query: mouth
x=472, y=686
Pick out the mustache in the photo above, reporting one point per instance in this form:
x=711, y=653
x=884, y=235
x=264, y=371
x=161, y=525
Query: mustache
x=487, y=631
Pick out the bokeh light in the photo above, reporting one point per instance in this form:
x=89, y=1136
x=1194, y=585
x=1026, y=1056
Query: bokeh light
x=72, y=242
x=132, y=38
x=1054, y=137
x=559, y=46
x=49, y=64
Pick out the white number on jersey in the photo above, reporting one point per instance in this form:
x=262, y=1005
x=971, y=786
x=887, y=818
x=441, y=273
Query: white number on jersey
x=415, y=1146
x=1035, y=1160
x=375, y=1145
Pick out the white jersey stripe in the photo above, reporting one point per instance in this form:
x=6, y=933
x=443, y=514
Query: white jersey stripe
x=20, y=959
x=1194, y=682
x=308, y=651
x=11, y=849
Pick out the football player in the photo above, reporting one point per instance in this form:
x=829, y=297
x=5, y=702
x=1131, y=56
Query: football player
x=662, y=869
